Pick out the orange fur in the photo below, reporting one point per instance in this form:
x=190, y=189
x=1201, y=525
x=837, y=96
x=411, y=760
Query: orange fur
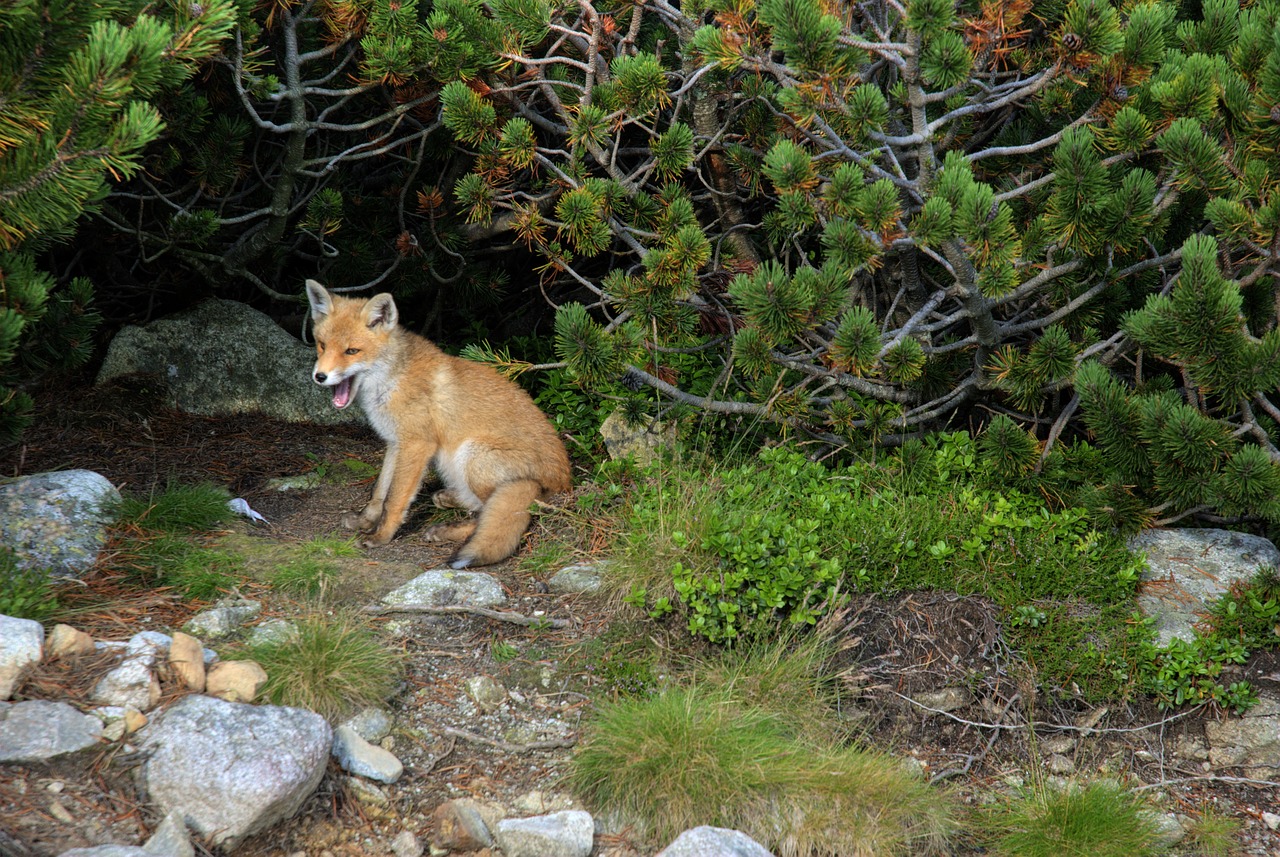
x=494, y=450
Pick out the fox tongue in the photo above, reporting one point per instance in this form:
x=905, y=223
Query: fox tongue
x=342, y=393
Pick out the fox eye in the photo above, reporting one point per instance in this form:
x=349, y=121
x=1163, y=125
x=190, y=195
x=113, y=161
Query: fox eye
x=320, y=345
x=351, y=351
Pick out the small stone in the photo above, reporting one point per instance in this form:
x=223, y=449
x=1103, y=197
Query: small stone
x=371, y=724
x=366, y=792
x=60, y=812
x=945, y=700
x=222, y=620
x=272, y=631
x=235, y=681
x=561, y=834
x=459, y=826
x=186, y=658
x=133, y=720
x=1271, y=820
x=67, y=642
x=56, y=786
x=444, y=587
x=1061, y=765
x=406, y=845
x=714, y=842
x=1060, y=744
x=576, y=580
x=487, y=694
x=358, y=756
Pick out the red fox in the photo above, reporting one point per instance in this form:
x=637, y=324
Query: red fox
x=494, y=450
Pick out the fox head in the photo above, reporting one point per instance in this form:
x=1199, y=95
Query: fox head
x=350, y=336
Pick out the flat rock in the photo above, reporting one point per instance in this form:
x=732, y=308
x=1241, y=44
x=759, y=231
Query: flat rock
x=444, y=587
x=230, y=769
x=714, y=842
x=371, y=724
x=37, y=730
x=21, y=644
x=576, y=580
x=58, y=520
x=222, y=620
x=1250, y=741
x=1189, y=569
x=560, y=834
x=170, y=838
x=224, y=357
x=358, y=756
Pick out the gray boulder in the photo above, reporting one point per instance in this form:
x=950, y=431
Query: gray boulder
x=225, y=357
x=1188, y=569
x=1251, y=742
x=21, y=644
x=560, y=834
x=37, y=731
x=714, y=842
x=57, y=521
x=231, y=769
x=443, y=588
x=576, y=580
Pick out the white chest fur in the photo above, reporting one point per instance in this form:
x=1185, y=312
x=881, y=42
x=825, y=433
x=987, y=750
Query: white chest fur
x=376, y=387
x=452, y=468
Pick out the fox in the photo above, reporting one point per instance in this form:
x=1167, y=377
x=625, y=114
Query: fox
x=492, y=447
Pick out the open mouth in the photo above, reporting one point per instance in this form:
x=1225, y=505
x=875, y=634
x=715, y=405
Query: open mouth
x=342, y=393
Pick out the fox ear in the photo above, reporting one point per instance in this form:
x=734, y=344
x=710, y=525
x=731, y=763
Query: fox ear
x=381, y=311
x=320, y=299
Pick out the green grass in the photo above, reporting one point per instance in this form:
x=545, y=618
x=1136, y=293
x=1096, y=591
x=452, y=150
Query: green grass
x=196, y=570
x=177, y=509
x=687, y=756
x=1098, y=819
x=334, y=665
x=1213, y=834
x=25, y=593
x=312, y=570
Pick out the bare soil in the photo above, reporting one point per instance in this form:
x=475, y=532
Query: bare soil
x=894, y=650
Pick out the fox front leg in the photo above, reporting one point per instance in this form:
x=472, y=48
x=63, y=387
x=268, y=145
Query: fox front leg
x=406, y=478
x=367, y=520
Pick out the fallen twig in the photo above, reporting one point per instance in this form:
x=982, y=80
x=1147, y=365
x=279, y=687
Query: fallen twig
x=551, y=744
x=501, y=615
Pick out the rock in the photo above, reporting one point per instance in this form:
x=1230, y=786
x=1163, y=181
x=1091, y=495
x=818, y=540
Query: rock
x=21, y=644
x=66, y=642
x=170, y=838
x=1061, y=765
x=714, y=842
x=1251, y=741
x=1168, y=828
x=57, y=521
x=406, y=845
x=366, y=792
x=945, y=700
x=460, y=826
x=1059, y=744
x=151, y=644
x=186, y=658
x=109, y=851
x=538, y=802
x=1188, y=569
x=118, y=720
x=225, y=357
x=235, y=681
x=1271, y=820
x=443, y=587
x=487, y=694
x=576, y=580
x=272, y=631
x=132, y=683
x=222, y=620
x=231, y=769
x=358, y=756
x=643, y=442
x=37, y=731
x=561, y=834
x=371, y=724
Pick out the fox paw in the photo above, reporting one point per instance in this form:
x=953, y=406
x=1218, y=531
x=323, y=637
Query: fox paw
x=357, y=521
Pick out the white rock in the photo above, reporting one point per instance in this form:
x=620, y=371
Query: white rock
x=443, y=587
x=358, y=756
x=57, y=521
x=21, y=644
x=576, y=579
x=714, y=842
x=36, y=731
x=272, y=631
x=230, y=769
x=561, y=834
x=222, y=620
x=1271, y=820
x=170, y=838
x=371, y=724
x=130, y=684
x=406, y=845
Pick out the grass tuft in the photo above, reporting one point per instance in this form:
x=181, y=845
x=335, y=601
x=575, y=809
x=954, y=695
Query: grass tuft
x=687, y=756
x=195, y=570
x=333, y=666
x=25, y=593
x=1099, y=819
x=312, y=569
x=1213, y=834
x=177, y=509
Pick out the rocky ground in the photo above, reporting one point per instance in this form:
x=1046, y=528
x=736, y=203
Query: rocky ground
x=925, y=674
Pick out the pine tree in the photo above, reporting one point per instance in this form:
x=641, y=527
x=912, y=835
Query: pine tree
x=75, y=84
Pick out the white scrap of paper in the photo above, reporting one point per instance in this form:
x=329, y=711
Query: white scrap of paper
x=241, y=507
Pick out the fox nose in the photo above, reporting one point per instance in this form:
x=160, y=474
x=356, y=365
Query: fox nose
x=320, y=377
